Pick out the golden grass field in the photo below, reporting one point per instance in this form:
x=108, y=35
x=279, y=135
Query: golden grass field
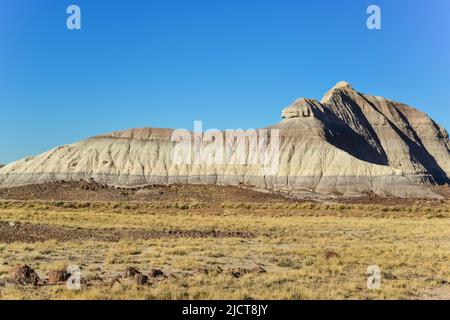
x=410, y=243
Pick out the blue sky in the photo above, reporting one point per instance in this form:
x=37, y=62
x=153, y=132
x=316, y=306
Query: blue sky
x=231, y=64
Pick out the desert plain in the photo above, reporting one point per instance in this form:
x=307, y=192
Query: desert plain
x=220, y=242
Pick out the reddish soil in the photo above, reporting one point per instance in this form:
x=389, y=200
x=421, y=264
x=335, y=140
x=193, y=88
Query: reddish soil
x=388, y=201
x=35, y=232
x=92, y=191
x=95, y=192
x=442, y=190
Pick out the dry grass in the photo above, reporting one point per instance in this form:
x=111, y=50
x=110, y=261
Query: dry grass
x=411, y=244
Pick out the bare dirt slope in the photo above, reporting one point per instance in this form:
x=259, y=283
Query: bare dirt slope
x=92, y=191
x=213, y=195
x=30, y=233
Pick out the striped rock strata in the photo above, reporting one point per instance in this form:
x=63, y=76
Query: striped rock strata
x=349, y=143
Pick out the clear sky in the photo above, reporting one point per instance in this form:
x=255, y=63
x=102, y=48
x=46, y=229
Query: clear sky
x=229, y=63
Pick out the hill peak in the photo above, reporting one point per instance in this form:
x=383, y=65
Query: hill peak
x=342, y=85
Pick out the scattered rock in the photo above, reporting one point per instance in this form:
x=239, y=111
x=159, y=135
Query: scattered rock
x=115, y=280
x=203, y=270
x=218, y=269
x=156, y=273
x=258, y=269
x=131, y=272
x=25, y=275
x=388, y=276
x=96, y=278
x=331, y=255
x=57, y=276
x=210, y=270
x=239, y=272
x=141, y=279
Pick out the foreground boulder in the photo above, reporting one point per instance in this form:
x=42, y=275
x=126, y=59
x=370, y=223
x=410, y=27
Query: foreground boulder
x=25, y=275
x=57, y=276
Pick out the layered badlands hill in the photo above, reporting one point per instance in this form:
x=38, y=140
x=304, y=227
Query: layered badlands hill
x=349, y=143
